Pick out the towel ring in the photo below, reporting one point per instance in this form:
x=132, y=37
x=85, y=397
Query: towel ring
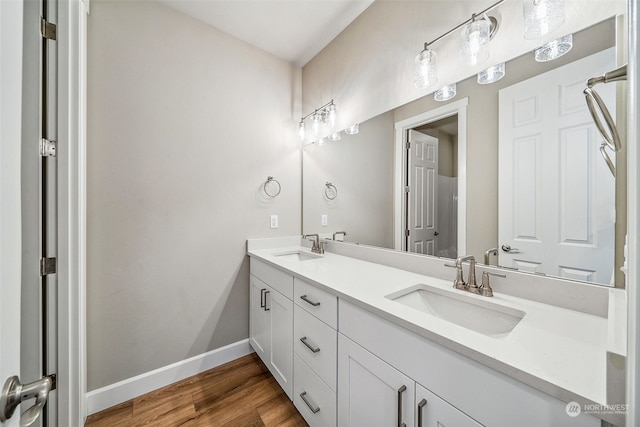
x=330, y=188
x=273, y=193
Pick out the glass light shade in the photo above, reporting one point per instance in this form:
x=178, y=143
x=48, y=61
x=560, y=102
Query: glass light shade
x=426, y=69
x=352, y=130
x=475, y=42
x=321, y=142
x=334, y=136
x=541, y=17
x=302, y=131
x=315, y=120
x=554, y=49
x=332, y=115
x=445, y=93
x=491, y=74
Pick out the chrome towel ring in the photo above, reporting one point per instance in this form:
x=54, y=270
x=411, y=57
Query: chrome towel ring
x=271, y=190
x=330, y=192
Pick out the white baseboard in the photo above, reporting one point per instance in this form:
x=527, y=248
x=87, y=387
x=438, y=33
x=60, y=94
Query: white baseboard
x=111, y=395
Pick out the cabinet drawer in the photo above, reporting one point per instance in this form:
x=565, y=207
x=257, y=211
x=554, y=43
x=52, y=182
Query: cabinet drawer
x=277, y=279
x=433, y=411
x=320, y=303
x=321, y=348
x=311, y=396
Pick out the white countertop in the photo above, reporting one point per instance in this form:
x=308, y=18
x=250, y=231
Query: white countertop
x=558, y=351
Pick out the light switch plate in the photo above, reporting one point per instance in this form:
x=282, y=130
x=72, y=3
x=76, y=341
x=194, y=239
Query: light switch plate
x=324, y=220
x=274, y=221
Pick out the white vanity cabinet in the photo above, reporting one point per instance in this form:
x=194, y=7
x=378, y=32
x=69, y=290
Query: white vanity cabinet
x=371, y=392
x=271, y=321
x=315, y=359
x=433, y=411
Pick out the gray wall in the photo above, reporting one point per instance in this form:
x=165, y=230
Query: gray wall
x=184, y=125
x=359, y=166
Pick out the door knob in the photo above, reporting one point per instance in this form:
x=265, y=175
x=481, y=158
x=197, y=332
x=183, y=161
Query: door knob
x=14, y=393
x=435, y=233
x=508, y=248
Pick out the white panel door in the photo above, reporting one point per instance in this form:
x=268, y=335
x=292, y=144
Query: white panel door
x=423, y=184
x=10, y=206
x=370, y=391
x=281, y=333
x=556, y=195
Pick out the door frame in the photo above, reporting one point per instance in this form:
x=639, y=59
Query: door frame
x=71, y=154
x=401, y=128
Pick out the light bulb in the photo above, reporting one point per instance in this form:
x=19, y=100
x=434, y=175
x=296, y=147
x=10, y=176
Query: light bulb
x=301, y=130
x=315, y=119
x=426, y=69
x=334, y=136
x=321, y=142
x=332, y=115
x=475, y=39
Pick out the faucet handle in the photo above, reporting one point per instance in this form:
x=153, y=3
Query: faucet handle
x=485, y=287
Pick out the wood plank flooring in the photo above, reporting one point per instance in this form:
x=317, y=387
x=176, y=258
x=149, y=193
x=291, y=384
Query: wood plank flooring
x=241, y=393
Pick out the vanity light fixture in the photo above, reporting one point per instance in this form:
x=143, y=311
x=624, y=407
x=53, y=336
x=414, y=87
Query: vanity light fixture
x=445, y=93
x=541, y=17
x=476, y=34
x=491, y=74
x=353, y=129
x=554, y=49
x=327, y=115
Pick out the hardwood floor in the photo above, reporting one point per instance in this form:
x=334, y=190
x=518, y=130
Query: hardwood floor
x=241, y=393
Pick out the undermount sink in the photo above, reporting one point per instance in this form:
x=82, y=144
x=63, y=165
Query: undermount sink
x=468, y=311
x=297, y=255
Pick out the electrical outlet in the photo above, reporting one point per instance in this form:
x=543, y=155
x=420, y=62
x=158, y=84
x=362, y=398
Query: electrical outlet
x=324, y=220
x=274, y=221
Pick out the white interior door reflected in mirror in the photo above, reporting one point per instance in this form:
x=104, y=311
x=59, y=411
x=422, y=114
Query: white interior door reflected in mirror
x=422, y=193
x=556, y=195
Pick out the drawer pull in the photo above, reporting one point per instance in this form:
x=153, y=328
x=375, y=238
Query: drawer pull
x=314, y=409
x=307, y=300
x=421, y=406
x=263, y=302
x=400, y=391
x=309, y=346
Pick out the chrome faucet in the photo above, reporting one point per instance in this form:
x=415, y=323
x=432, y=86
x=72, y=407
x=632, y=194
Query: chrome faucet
x=488, y=253
x=344, y=234
x=317, y=247
x=459, y=282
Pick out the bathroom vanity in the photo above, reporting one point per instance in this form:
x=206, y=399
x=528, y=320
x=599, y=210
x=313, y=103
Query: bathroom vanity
x=354, y=342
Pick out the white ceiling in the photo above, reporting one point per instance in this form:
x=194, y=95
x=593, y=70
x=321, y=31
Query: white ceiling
x=294, y=30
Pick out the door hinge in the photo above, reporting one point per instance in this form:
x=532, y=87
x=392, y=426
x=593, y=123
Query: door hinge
x=408, y=145
x=54, y=381
x=48, y=29
x=47, y=148
x=48, y=266
x=407, y=189
x=407, y=233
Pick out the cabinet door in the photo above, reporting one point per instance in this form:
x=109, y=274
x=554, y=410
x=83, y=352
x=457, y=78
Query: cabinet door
x=280, y=310
x=259, y=330
x=433, y=411
x=370, y=391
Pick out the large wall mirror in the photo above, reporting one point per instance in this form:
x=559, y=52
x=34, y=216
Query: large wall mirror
x=496, y=172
